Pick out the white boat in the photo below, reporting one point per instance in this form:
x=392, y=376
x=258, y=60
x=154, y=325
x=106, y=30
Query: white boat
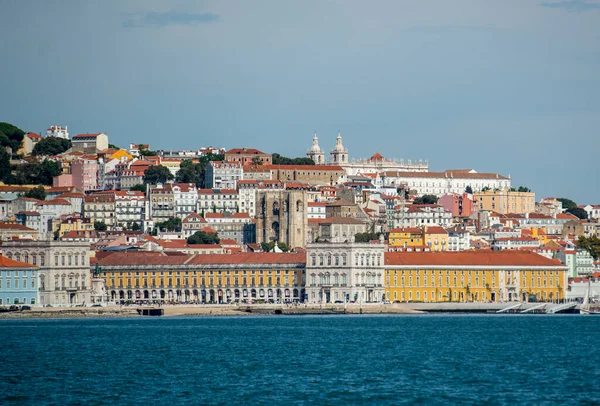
x=585, y=306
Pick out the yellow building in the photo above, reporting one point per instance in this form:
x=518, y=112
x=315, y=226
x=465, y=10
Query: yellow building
x=504, y=201
x=210, y=278
x=406, y=237
x=473, y=276
x=121, y=155
x=431, y=238
x=436, y=238
x=74, y=224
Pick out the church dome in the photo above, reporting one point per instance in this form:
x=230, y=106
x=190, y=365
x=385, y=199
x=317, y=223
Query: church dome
x=315, y=145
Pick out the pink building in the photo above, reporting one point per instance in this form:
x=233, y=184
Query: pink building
x=85, y=173
x=461, y=205
x=64, y=180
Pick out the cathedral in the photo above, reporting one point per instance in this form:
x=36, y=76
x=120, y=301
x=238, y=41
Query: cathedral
x=375, y=164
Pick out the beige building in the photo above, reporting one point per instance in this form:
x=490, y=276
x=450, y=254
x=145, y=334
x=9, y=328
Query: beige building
x=504, y=201
x=90, y=143
x=318, y=175
x=100, y=208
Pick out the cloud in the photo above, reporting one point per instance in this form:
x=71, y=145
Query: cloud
x=573, y=5
x=154, y=19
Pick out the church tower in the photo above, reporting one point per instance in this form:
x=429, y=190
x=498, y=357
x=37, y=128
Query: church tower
x=315, y=152
x=339, y=155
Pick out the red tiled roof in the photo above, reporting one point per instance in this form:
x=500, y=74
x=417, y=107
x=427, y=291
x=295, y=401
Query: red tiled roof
x=314, y=168
x=14, y=226
x=471, y=258
x=244, y=151
x=342, y=220
x=34, y=136
x=8, y=263
x=250, y=258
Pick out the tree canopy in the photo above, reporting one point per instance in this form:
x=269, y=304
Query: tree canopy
x=100, y=226
x=579, y=213
x=157, y=174
x=468, y=189
x=426, y=199
x=5, y=168
x=203, y=237
x=591, y=245
x=567, y=203
x=172, y=224
x=36, y=173
x=13, y=136
x=140, y=187
x=282, y=160
x=36, y=193
x=366, y=237
x=190, y=172
x=51, y=146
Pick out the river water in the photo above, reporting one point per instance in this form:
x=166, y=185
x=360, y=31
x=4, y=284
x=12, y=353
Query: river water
x=399, y=359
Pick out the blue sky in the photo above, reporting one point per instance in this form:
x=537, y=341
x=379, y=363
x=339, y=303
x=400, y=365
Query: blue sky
x=508, y=86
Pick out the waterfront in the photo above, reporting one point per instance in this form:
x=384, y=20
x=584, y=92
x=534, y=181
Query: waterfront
x=426, y=359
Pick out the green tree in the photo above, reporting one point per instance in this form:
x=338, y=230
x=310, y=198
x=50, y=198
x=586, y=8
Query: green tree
x=567, y=203
x=36, y=193
x=113, y=146
x=590, y=244
x=579, y=212
x=157, y=174
x=203, y=237
x=283, y=246
x=140, y=187
x=13, y=134
x=37, y=172
x=485, y=189
x=5, y=168
x=468, y=189
x=172, y=224
x=366, y=237
x=190, y=172
x=100, y=226
x=426, y=199
x=282, y=160
x=135, y=227
x=267, y=246
x=523, y=189
x=146, y=152
x=51, y=146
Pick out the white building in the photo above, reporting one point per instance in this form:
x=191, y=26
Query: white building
x=185, y=197
x=344, y=272
x=316, y=210
x=339, y=154
x=223, y=175
x=442, y=183
x=459, y=239
x=593, y=211
x=130, y=206
x=217, y=200
x=419, y=215
x=58, y=132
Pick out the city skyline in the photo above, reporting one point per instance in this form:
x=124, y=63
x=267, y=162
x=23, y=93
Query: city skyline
x=507, y=87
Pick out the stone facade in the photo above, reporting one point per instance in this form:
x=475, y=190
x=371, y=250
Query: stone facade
x=282, y=216
x=345, y=272
x=64, y=269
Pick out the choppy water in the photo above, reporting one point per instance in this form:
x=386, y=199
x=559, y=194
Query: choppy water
x=302, y=360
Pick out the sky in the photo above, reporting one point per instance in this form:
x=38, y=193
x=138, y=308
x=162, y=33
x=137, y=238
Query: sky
x=506, y=86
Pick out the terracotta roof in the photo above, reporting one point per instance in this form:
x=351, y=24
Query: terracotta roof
x=34, y=136
x=435, y=230
x=54, y=202
x=317, y=204
x=30, y=213
x=228, y=241
x=8, y=263
x=243, y=151
x=14, y=226
x=250, y=258
x=141, y=258
x=471, y=258
x=377, y=157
